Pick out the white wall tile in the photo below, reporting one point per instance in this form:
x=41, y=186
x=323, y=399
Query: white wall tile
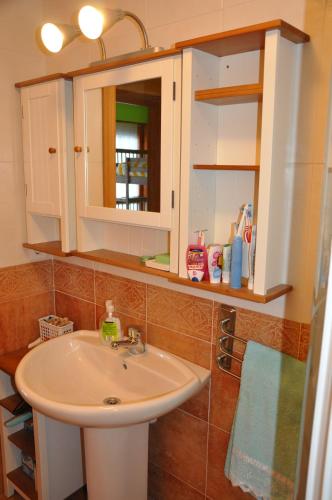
x=172, y=11
x=257, y=11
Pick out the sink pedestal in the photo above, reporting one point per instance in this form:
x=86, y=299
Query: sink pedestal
x=116, y=462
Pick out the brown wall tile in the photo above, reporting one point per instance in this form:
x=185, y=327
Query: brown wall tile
x=187, y=347
x=224, y=395
x=218, y=486
x=280, y=334
x=164, y=486
x=304, y=342
x=180, y=312
x=129, y=296
x=27, y=279
x=19, y=320
x=74, y=280
x=79, y=311
x=198, y=406
x=178, y=446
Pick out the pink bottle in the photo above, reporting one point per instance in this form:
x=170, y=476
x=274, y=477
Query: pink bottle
x=197, y=259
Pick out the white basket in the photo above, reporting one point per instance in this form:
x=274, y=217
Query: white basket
x=48, y=331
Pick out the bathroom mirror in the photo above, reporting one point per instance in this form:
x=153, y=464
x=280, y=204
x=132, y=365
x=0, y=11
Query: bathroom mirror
x=123, y=144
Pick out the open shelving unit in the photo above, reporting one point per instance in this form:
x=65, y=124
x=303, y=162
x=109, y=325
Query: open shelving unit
x=55, y=446
x=239, y=99
x=14, y=441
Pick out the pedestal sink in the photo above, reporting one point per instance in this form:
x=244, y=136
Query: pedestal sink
x=114, y=396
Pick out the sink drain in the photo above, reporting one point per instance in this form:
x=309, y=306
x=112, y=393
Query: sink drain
x=112, y=400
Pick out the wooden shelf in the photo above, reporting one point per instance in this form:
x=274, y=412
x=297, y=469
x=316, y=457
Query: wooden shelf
x=132, y=262
x=242, y=293
x=23, y=483
x=241, y=168
x=49, y=247
x=120, y=259
x=24, y=440
x=243, y=39
x=237, y=94
x=11, y=402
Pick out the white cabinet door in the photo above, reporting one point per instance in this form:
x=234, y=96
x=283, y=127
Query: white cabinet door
x=90, y=138
x=42, y=147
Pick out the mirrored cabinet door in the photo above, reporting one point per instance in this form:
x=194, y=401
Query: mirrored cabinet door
x=125, y=121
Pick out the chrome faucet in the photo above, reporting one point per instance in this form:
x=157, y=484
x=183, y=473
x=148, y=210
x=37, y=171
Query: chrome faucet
x=133, y=343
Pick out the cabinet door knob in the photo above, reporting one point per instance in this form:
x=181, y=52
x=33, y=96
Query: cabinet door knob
x=78, y=149
x=52, y=151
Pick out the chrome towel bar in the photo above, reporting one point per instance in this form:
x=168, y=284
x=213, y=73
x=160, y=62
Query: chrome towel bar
x=226, y=341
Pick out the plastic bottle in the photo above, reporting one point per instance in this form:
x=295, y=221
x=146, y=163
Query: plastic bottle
x=110, y=327
x=236, y=265
x=197, y=260
x=214, y=253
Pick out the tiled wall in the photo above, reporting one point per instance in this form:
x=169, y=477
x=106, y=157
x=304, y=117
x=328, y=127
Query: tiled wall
x=26, y=294
x=187, y=446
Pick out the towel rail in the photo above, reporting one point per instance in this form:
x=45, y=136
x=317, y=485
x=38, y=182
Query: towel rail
x=226, y=341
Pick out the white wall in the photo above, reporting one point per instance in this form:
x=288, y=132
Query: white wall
x=19, y=60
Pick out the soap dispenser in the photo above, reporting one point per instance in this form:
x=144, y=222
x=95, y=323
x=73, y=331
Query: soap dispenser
x=109, y=326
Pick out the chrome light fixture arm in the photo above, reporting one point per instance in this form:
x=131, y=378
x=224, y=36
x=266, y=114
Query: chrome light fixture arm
x=140, y=25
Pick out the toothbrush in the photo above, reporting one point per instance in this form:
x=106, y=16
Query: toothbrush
x=243, y=217
x=252, y=248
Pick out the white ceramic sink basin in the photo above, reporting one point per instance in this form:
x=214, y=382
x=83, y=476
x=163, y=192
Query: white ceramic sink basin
x=69, y=378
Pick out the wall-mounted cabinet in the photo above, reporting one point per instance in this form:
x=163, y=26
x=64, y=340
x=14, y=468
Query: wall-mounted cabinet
x=225, y=104
x=239, y=108
x=127, y=131
x=47, y=113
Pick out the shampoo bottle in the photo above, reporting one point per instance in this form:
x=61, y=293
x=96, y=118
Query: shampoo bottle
x=197, y=261
x=110, y=328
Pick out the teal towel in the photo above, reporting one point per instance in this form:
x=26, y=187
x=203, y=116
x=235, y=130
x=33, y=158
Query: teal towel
x=262, y=451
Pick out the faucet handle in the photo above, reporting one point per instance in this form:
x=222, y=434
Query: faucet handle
x=134, y=333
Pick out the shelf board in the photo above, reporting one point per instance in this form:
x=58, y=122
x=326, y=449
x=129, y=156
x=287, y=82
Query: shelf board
x=237, y=94
x=243, y=39
x=120, y=259
x=50, y=247
x=242, y=293
x=23, y=483
x=241, y=168
x=11, y=402
x=24, y=440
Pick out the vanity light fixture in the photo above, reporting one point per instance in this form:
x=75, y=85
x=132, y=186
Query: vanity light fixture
x=92, y=24
x=95, y=22
x=56, y=36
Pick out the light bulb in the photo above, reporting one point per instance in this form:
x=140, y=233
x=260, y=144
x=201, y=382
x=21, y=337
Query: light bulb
x=91, y=22
x=52, y=37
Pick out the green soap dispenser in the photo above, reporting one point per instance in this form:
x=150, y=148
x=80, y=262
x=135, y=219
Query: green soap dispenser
x=110, y=327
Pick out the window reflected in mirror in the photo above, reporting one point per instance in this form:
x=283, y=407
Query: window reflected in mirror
x=123, y=137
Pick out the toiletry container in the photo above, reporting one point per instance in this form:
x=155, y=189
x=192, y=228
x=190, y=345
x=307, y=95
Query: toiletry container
x=236, y=262
x=214, y=253
x=109, y=326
